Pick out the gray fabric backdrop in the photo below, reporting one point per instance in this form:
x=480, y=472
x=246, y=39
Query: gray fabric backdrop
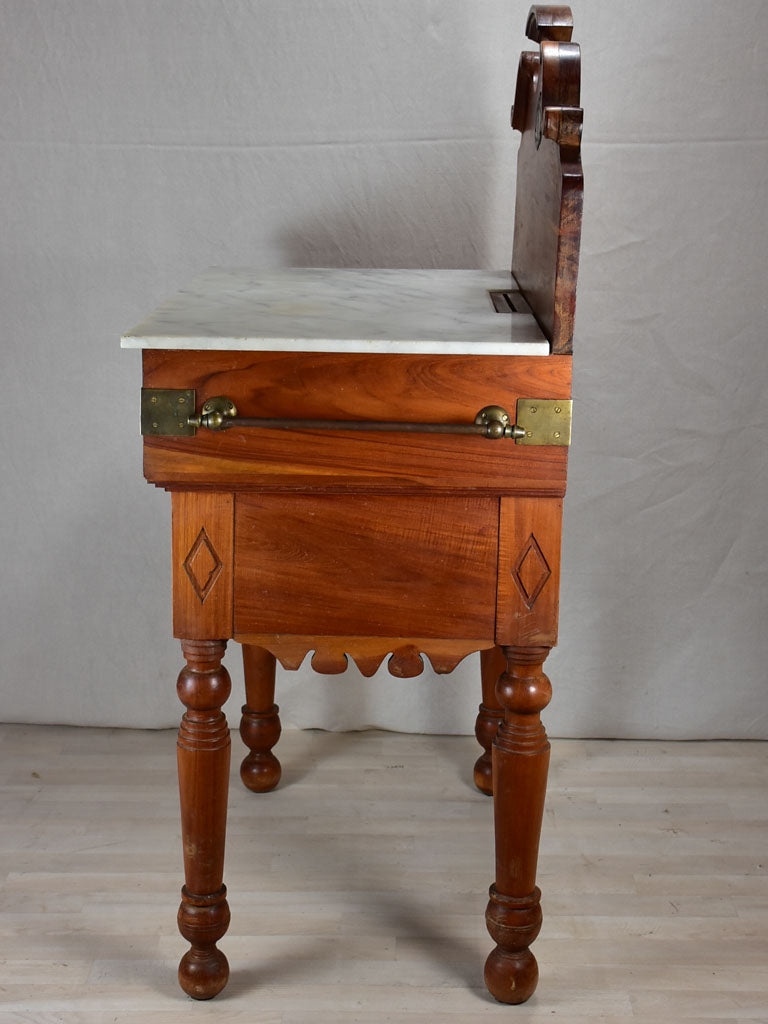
x=143, y=141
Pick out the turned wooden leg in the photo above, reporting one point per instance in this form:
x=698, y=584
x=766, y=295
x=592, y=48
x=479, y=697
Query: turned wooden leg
x=203, y=756
x=260, y=724
x=489, y=716
x=520, y=762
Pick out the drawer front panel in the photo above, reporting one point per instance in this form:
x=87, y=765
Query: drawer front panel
x=366, y=566
x=429, y=389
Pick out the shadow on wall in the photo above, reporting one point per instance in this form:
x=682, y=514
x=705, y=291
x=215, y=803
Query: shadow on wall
x=130, y=174
x=418, y=202
x=423, y=199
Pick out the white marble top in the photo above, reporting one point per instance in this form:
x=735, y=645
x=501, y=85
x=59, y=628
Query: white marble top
x=328, y=310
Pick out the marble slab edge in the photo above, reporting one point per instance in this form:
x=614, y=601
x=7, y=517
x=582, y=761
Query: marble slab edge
x=422, y=347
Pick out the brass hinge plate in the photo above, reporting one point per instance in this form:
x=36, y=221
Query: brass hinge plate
x=545, y=421
x=165, y=412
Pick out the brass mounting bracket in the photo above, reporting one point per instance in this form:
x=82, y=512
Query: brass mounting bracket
x=544, y=421
x=165, y=412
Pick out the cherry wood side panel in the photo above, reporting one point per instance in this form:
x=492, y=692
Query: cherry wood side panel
x=529, y=571
x=202, y=551
x=354, y=386
x=550, y=183
x=361, y=566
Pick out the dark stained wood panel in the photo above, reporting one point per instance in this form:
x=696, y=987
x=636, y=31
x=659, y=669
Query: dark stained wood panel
x=549, y=21
x=550, y=183
x=366, y=566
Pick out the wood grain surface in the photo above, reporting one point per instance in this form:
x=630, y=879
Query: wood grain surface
x=352, y=386
x=529, y=571
x=520, y=765
x=202, y=569
x=366, y=566
x=550, y=182
x=203, y=758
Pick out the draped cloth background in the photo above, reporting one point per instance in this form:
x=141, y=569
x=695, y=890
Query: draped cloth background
x=142, y=142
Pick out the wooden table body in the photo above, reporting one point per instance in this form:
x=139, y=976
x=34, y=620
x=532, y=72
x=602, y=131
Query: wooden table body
x=363, y=546
x=372, y=545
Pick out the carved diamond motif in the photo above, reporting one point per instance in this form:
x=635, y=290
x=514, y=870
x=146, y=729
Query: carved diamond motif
x=531, y=572
x=202, y=565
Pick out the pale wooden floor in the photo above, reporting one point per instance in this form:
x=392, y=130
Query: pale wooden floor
x=358, y=888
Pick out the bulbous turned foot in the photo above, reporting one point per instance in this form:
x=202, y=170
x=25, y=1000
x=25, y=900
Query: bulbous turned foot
x=483, y=774
x=511, y=977
x=260, y=731
x=511, y=971
x=203, y=973
x=260, y=772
